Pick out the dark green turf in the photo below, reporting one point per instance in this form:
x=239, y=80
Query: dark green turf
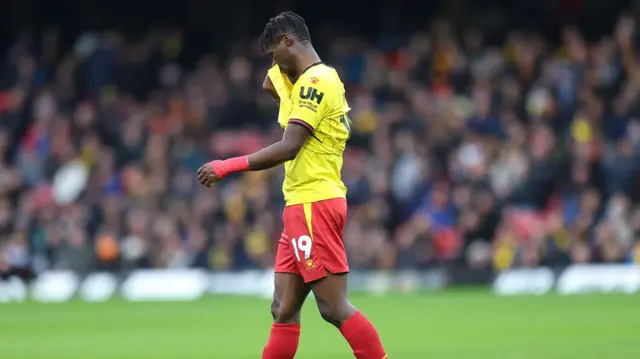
x=453, y=325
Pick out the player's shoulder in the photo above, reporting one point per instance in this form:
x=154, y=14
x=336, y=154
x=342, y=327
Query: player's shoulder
x=321, y=75
x=321, y=69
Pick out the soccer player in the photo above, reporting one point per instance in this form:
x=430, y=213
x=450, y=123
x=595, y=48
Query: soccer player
x=311, y=254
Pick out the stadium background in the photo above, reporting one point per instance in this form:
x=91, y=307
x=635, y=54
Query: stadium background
x=493, y=139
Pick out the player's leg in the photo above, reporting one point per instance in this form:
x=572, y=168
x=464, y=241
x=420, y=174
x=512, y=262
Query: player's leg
x=332, y=300
x=335, y=308
x=326, y=272
x=288, y=298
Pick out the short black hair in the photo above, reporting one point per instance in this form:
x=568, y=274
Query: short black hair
x=284, y=23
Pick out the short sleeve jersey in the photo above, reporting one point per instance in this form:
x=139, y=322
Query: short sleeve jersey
x=318, y=103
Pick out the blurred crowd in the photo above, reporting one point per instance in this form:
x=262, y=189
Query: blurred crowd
x=463, y=153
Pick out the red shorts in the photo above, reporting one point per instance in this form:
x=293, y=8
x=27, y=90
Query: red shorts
x=311, y=243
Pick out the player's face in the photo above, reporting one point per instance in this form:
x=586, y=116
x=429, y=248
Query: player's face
x=281, y=53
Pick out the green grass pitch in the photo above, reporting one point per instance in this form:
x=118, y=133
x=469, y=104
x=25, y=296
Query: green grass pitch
x=447, y=325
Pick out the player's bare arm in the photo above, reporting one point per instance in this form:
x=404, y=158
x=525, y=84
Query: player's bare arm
x=294, y=137
x=285, y=150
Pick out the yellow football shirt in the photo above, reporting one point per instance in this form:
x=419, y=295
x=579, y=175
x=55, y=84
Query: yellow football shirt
x=317, y=102
x=283, y=87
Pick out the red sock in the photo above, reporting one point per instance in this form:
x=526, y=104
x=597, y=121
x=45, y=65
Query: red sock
x=362, y=337
x=283, y=341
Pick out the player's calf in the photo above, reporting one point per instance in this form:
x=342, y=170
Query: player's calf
x=335, y=308
x=283, y=341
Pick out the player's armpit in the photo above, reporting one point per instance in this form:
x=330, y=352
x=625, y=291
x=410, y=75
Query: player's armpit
x=282, y=151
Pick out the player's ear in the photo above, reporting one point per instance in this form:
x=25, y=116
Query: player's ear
x=287, y=40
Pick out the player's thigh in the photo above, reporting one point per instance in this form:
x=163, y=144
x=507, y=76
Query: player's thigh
x=331, y=289
x=315, y=236
x=290, y=288
x=288, y=297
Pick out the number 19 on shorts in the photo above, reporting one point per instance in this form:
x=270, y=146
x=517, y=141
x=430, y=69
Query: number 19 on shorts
x=302, y=244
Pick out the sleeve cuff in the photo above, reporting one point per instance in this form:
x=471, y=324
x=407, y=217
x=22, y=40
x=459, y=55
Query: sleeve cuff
x=302, y=123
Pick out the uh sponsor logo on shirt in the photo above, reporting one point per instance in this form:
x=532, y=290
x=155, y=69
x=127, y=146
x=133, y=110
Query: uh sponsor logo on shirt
x=310, y=97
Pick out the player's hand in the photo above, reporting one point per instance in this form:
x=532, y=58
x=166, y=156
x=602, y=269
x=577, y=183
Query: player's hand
x=207, y=175
x=267, y=85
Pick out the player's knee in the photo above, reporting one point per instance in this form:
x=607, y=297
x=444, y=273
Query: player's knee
x=335, y=313
x=275, y=305
x=285, y=314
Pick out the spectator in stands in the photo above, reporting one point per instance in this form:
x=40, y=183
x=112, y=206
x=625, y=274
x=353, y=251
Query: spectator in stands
x=462, y=153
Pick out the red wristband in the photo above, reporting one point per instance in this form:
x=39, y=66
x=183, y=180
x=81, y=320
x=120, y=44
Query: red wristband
x=231, y=165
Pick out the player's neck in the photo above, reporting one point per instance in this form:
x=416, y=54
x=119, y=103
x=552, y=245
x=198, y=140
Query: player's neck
x=306, y=58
